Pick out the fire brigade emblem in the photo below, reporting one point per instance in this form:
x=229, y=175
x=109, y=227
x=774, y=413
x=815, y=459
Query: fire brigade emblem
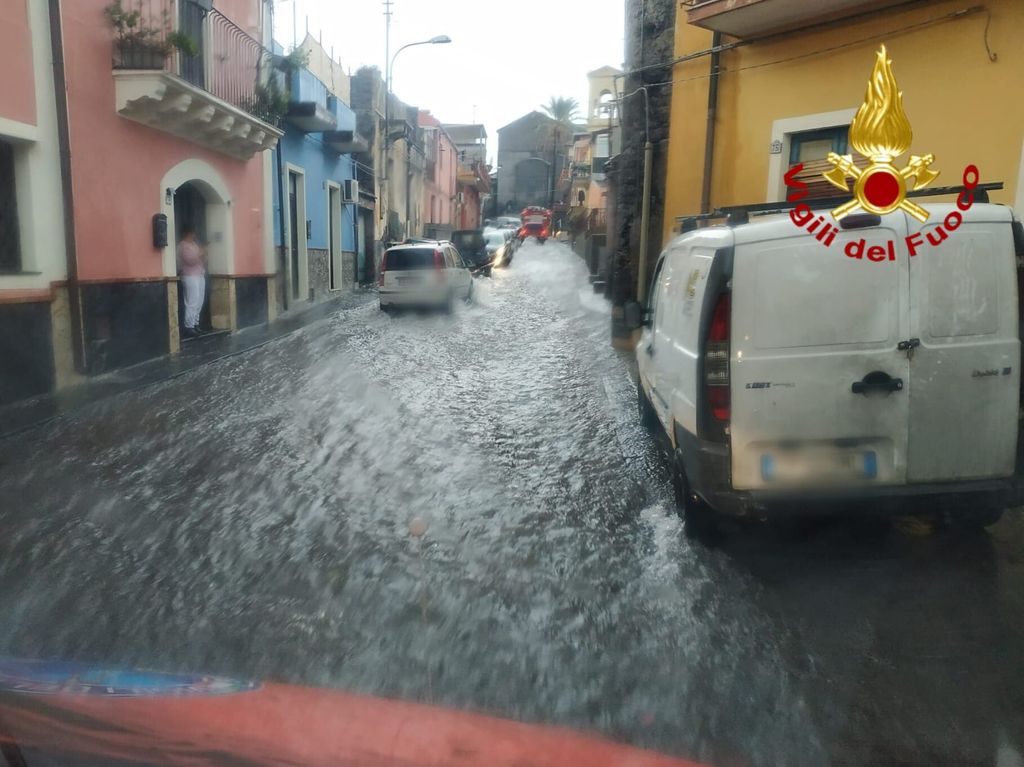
x=881, y=132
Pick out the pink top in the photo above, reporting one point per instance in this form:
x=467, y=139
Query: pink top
x=190, y=259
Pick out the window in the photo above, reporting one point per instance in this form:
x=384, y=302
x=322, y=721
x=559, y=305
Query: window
x=10, y=239
x=816, y=144
x=812, y=148
x=408, y=259
x=652, y=298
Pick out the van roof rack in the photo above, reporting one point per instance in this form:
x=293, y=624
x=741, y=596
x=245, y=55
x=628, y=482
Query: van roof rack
x=740, y=214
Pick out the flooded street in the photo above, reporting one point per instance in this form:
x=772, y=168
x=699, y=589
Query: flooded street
x=464, y=511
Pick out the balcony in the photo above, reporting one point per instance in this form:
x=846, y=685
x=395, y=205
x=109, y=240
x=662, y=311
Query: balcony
x=207, y=81
x=310, y=109
x=345, y=138
x=752, y=18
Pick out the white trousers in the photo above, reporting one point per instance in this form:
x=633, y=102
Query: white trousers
x=195, y=292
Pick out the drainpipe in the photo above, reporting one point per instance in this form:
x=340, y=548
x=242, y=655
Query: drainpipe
x=709, y=138
x=68, y=193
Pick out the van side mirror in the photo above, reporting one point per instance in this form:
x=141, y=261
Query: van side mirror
x=635, y=316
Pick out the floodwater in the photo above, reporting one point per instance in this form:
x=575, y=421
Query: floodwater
x=464, y=511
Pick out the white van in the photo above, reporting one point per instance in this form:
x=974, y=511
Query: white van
x=791, y=375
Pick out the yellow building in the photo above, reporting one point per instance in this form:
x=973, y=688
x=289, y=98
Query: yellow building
x=792, y=74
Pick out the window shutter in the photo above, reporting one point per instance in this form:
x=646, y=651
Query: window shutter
x=817, y=185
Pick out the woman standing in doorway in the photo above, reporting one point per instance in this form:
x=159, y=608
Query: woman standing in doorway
x=192, y=265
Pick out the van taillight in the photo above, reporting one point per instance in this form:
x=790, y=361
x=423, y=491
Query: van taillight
x=716, y=361
x=383, y=268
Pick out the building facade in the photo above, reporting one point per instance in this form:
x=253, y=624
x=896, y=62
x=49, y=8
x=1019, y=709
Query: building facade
x=533, y=153
x=160, y=136
x=395, y=159
x=316, y=177
x=36, y=350
x=791, y=80
x=440, y=179
x=474, y=174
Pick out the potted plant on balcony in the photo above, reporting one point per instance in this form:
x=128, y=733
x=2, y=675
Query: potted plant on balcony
x=271, y=92
x=141, y=44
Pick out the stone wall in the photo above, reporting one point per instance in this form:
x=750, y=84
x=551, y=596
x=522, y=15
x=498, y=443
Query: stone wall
x=650, y=41
x=319, y=274
x=348, y=270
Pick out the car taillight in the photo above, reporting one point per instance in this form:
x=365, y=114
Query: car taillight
x=383, y=268
x=439, y=265
x=716, y=361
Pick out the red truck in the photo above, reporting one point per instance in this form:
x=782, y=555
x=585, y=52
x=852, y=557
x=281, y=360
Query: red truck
x=536, y=222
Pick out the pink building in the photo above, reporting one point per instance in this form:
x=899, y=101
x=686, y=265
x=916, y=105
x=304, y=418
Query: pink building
x=474, y=179
x=166, y=125
x=33, y=258
x=440, y=178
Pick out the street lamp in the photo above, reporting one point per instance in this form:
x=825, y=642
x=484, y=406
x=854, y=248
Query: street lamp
x=437, y=40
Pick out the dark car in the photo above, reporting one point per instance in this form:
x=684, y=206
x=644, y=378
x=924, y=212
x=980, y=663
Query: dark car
x=472, y=244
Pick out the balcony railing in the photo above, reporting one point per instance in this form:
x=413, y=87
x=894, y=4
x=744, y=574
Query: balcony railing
x=203, y=47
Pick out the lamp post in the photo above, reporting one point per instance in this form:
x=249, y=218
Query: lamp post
x=437, y=40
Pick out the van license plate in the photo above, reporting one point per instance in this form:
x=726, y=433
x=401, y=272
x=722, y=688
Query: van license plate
x=810, y=465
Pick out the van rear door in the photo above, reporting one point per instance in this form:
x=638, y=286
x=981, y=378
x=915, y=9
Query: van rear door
x=966, y=371
x=817, y=382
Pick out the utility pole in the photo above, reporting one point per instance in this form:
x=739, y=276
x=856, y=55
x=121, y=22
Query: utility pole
x=384, y=187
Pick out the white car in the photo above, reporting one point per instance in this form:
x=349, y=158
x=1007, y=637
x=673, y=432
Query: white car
x=423, y=274
x=787, y=375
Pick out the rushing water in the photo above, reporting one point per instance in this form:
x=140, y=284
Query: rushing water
x=465, y=511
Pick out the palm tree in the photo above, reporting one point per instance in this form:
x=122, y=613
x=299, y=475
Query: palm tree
x=563, y=109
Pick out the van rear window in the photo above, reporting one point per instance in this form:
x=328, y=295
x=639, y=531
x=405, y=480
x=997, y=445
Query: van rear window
x=411, y=258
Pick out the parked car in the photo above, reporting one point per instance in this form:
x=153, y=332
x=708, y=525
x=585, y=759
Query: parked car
x=513, y=241
x=786, y=376
x=499, y=247
x=423, y=274
x=472, y=244
x=510, y=239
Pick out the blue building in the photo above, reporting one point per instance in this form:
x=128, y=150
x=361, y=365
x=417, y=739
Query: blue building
x=314, y=171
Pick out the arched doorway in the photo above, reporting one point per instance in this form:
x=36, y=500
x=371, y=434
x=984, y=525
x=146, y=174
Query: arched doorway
x=190, y=213
x=193, y=193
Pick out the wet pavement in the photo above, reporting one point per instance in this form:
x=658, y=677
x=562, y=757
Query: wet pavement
x=260, y=517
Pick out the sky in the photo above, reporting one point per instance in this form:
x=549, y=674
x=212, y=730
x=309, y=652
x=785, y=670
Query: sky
x=505, y=59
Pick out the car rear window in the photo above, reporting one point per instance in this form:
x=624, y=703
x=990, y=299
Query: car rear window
x=409, y=258
x=495, y=239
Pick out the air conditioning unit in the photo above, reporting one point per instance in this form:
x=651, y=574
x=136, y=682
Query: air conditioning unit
x=350, y=191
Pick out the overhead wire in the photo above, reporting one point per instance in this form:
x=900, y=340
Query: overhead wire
x=819, y=52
